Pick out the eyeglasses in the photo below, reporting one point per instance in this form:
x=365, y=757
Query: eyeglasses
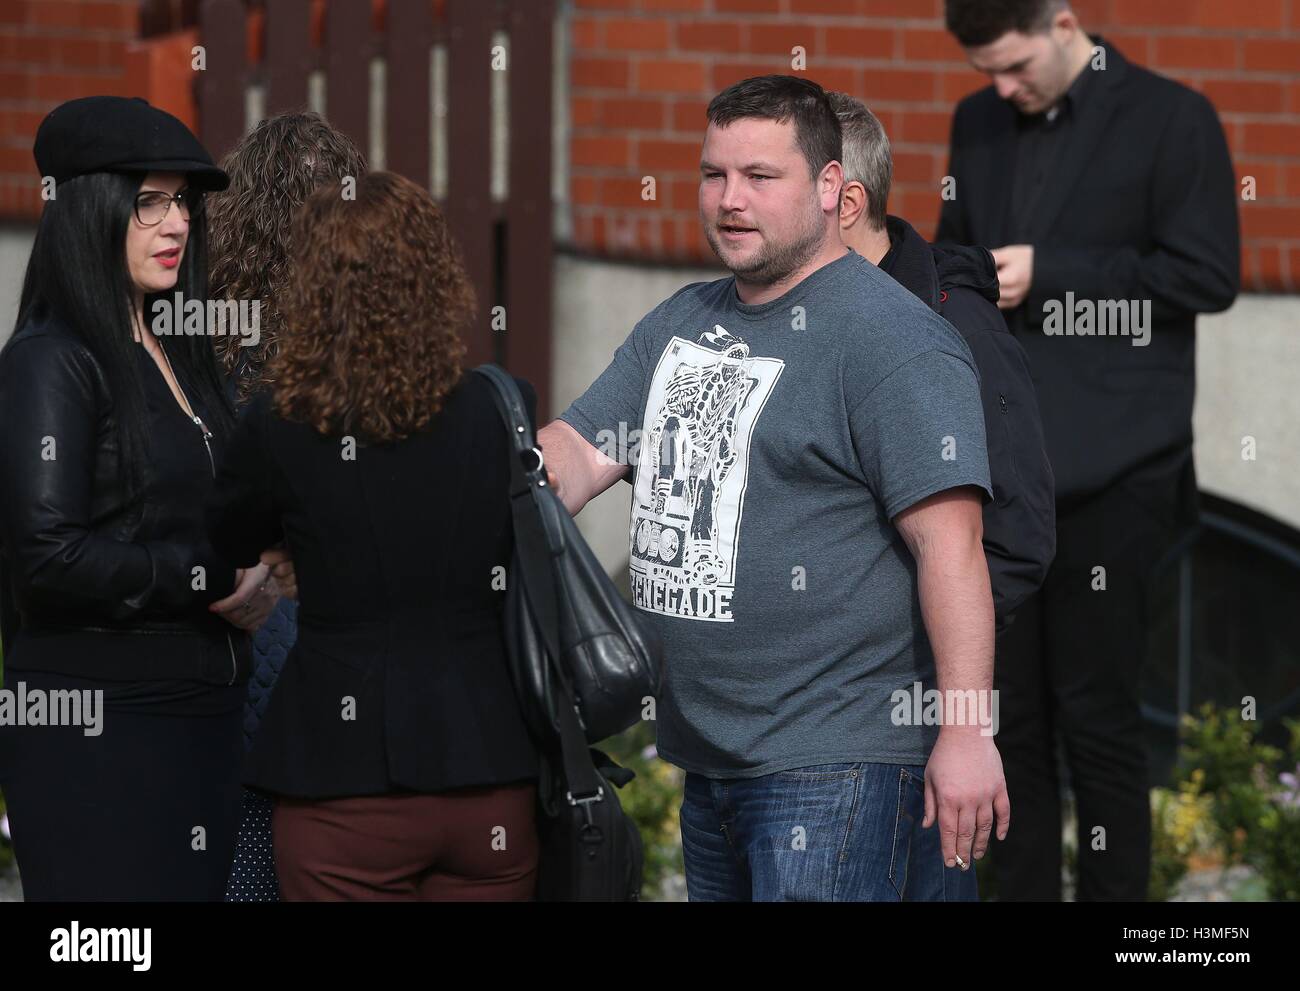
x=151, y=207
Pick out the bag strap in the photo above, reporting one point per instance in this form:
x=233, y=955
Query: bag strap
x=534, y=551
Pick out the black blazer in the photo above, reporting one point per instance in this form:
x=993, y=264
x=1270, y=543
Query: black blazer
x=398, y=679
x=1144, y=207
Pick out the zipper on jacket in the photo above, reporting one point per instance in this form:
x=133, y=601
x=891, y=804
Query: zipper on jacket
x=207, y=437
x=207, y=444
x=234, y=667
x=212, y=464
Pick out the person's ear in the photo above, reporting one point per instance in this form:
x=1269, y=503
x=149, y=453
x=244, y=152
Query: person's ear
x=1064, y=26
x=831, y=183
x=853, y=204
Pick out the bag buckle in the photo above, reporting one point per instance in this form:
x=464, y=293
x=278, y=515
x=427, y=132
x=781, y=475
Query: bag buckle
x=589, y=799
x=536, y=452
x=590, y=832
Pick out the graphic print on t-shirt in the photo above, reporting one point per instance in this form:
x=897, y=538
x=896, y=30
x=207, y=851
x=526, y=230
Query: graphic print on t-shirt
x=689, y=495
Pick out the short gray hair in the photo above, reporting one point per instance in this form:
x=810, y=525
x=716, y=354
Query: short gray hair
x=866, y=155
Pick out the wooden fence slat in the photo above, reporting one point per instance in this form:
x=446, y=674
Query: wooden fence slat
x=288, y=55
x=469, y=130
x=347, y=70
x=222, y=83
x=156, y=18
x=409, y=37
x=507, y=248
x=528, y=207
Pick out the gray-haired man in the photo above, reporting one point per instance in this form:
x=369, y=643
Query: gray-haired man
x=961, y=285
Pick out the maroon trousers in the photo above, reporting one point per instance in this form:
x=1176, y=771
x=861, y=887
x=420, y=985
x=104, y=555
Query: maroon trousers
x=473, y=844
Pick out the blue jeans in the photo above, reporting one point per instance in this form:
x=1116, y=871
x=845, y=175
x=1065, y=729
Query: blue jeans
x=834, y=832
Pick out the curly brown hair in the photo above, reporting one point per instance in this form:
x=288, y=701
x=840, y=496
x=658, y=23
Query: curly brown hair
x=273, y=170
x=376, y=297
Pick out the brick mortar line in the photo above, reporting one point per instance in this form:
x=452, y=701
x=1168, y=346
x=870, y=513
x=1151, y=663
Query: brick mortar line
x=86, y=34
x=766, y=19
x=63, y=68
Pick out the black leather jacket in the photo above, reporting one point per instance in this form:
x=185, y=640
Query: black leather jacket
x=77, y=552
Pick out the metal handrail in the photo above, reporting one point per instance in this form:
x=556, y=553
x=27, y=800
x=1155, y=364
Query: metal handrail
x=1211, y=521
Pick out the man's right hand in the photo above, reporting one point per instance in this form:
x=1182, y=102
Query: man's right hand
x=577, y=471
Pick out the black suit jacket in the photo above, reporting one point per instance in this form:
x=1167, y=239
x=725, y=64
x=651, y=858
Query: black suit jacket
x=1143, y=207
x=398, y=680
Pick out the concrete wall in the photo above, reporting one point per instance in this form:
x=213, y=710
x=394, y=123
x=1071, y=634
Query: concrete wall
x=15, y=246
x=1249, y=385
x=1248, y=366
x=596, y=305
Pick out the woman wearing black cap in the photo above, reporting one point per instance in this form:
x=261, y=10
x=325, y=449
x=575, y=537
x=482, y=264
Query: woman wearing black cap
x=124, y=633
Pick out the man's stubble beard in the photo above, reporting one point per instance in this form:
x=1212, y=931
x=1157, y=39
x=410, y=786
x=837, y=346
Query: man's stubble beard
x=773, y=263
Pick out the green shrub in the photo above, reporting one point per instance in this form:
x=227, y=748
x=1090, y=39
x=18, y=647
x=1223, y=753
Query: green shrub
x=1182, y=825
x=1254, y=790
x=1235, y=773
x=1276, y=853
x=653, y=800
x=1275, y=848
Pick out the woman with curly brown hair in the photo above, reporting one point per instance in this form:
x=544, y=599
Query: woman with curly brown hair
x=272, y=170
x=393, y=742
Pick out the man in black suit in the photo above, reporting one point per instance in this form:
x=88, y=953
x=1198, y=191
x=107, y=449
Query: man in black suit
x=1110, y=193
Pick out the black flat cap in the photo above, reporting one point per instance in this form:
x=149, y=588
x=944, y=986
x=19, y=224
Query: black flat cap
x=120, y=134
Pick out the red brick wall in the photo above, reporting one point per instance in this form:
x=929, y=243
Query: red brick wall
x=51, y=51
x=642, y=72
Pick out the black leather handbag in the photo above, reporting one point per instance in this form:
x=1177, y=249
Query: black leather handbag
x=610, y=657
x=584, y=666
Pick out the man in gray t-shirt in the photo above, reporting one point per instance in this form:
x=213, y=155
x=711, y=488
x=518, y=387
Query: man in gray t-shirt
x=809, y=454
x=777, y=441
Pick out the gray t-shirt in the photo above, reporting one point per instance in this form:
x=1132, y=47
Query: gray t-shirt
x=776, y=443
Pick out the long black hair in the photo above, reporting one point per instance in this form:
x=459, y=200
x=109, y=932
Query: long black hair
x=78, y=276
